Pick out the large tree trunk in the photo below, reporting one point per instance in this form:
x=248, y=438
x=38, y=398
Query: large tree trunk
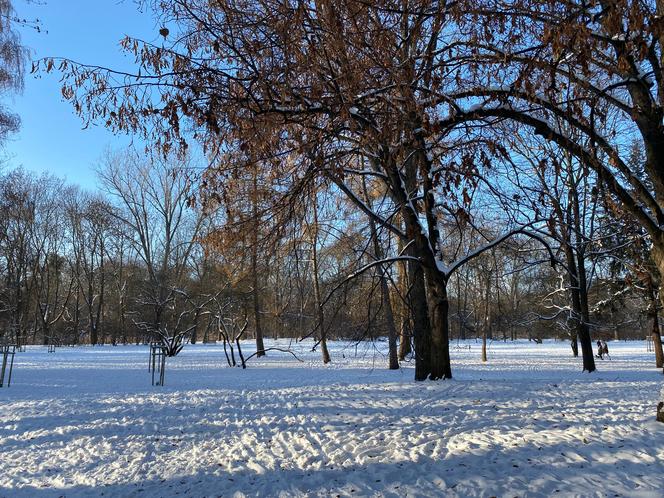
x=419, y=309
x=657, y=255
x=584, y=329
x=441, y=367
x=431, y=342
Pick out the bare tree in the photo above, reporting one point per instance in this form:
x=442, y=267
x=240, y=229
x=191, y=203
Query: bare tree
x=91, y=228
x=151, y=199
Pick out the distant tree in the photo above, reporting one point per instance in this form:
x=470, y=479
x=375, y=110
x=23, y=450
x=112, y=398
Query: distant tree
x=19, y=200
x=151, y=199
x=12, y=59
x=91, y=228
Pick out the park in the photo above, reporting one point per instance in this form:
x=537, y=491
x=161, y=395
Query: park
x=332, y=248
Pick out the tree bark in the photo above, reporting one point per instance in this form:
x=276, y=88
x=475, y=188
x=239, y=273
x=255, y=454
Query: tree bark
x=439, y=315
x=419, y=310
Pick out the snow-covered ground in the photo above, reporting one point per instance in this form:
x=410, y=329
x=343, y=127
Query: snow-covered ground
x=86, y=422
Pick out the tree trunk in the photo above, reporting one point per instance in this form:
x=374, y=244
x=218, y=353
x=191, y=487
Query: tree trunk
x=99, y=323
x=430, y=308
x=484, y=357
x=657, y=341
x=657, y=255
x=461, y=311
x=393, y=360
x=319, y=303
x=258, y=330
x=94, y=339
x=260, y=347
x=487, y=316
x=405, y=321
x=419, y=310
x=579, y=315
x=194, y=331
x=586, y=348
x=441, y=367
x=582, y=281
x=404, y=335
x=77, y=319
x=393, y=363
x=584, y=331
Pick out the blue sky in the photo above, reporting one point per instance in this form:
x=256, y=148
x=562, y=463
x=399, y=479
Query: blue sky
x=52, y=137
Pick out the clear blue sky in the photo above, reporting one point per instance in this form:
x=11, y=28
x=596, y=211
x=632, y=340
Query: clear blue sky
x=52, y=137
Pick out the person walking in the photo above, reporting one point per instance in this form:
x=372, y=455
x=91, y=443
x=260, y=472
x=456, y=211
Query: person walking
x=600, y=350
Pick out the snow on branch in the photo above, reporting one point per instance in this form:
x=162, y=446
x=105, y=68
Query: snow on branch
x=523, y=230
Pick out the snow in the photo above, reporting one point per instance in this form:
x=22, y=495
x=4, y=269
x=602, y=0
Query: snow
x=86, y=422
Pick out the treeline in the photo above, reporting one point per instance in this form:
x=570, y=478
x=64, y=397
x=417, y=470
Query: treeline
x=138, y=260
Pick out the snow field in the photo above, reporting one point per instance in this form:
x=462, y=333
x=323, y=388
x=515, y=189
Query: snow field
x=86, y=422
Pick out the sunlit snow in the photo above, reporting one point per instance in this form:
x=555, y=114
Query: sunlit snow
x=86, y=421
